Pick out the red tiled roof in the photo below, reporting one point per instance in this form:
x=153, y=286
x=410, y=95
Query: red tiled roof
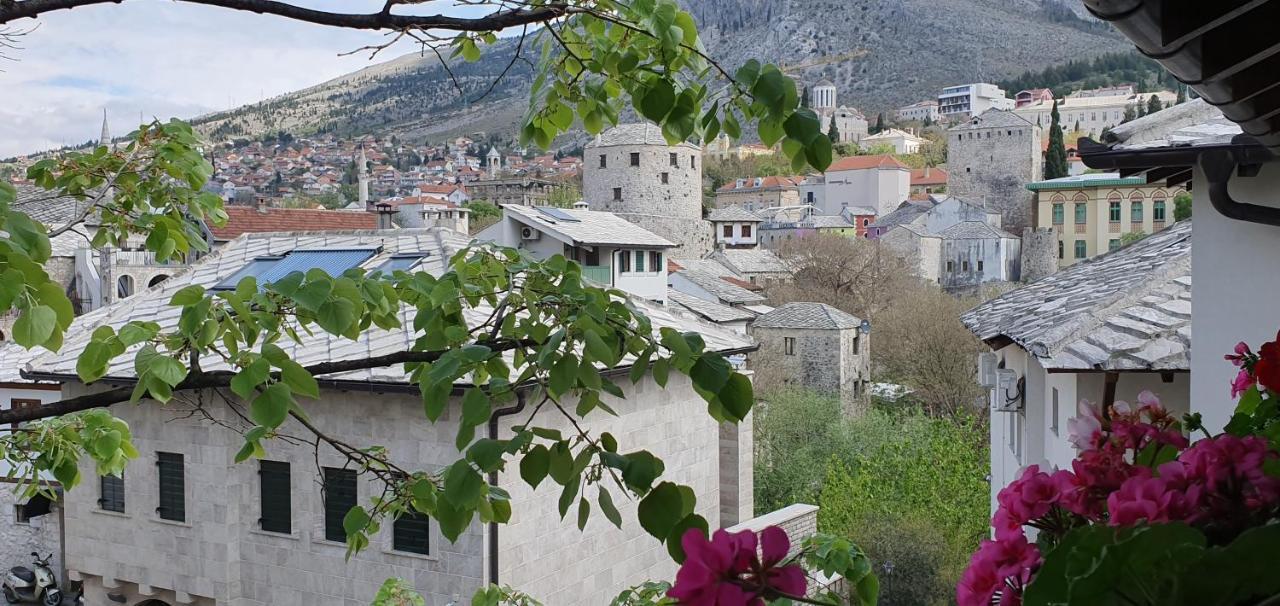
x=248, y=219
x=768, y=182
x=936, y=176
x=443, y=188
x=865, y=162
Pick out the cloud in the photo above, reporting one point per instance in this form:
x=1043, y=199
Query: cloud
x=163, y=59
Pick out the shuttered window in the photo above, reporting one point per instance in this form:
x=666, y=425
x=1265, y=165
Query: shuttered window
x=173, y=502
x=277, y=508
x=112, y=497
x=410, y=533
x=339, y=498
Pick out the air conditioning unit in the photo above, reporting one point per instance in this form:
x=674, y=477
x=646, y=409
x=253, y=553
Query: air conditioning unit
x=987, y=363
x=529, y=233
x=1009, y=391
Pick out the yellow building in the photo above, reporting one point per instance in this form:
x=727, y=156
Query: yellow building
x=1092, y=212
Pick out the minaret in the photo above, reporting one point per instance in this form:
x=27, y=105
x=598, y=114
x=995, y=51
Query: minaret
x=362, y=175
x=495, y=161
x=105, y=137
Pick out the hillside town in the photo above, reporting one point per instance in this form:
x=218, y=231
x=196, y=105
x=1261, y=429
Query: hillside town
x=978, y=293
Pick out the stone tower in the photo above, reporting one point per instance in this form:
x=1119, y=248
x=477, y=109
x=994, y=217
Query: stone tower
x=990, y=159
x=823, y=96
x=1039, y=253
x=630, y=170
x=362, y=177
x=494, y=160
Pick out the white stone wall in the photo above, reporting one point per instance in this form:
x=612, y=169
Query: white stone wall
x=551, y=560
x=882, y=189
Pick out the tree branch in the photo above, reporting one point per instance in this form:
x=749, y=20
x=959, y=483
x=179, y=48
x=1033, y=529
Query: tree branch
x=12, y=10
x=222, y=378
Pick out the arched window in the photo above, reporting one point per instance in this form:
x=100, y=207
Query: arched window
x=158, y=279
x=124, y=286
x=1135, y=209
x=1113, y=207
x=1058, y=213
x=1082, y=209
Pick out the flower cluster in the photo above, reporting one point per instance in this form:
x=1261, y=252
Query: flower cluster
x=1134, y=466
x=728, y=570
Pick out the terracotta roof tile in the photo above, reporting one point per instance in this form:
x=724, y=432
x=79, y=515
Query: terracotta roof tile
x=248, y=219
x=865, y=162
x=935, y=176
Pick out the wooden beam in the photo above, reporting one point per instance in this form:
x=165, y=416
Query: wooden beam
x=1109, y=394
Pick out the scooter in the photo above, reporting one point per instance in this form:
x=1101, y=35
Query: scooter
x=23, y=585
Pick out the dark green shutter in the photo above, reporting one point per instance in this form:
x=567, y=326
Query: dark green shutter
x=173, y=503
x=277, y=508
x=112, y=489
x=339, y=498
x=410, y=533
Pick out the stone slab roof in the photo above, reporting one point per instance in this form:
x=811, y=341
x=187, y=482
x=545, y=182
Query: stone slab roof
x=1127, y=310
x=733, y=214
x=639, y=133
x=153, y=305
x=905, y=213
x=709, y=310
x=752, y=260
x=993, y=118
x=807, y=315
x=248, y=219
x=1190, y=124
x=973, y=230
x=714, y=278
x=591, y=228
x=41, y=205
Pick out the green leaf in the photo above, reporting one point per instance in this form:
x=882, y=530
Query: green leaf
x=641, y=470
x=599, y=349
x=356, y=520
x=660, y=510
x=52, y=294
x=675, y=536
x=710, y=372
x=867, y=590
x=606, y=506
x=188, y=295
x=299, y=380
x=463, y=486
x=737, y=396
x=535, y=464
x=271, y=407
x=661, y=370
x=250, y=377
x=561, y=463
x=92, y=364
x=35, y=326
x=658, y=99
x=563, y=375
x=584, y=512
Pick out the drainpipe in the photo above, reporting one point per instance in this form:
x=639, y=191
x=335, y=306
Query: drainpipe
x=493, y=480
x=1218, y=167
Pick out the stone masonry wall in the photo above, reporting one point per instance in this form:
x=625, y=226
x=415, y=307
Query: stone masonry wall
x=672, y=210
x=18, y=540
x=991, y=166
x=1039, y=253
x=823, y=360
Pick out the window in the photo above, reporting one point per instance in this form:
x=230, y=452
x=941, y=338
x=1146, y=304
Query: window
x=728, y=230
x=666, y=178
x=1053, y=419
x=1060, y=249
x=1057, y=213
x=18, y=404
x=124, y=287
x=411, y=533
x=1113, y=244
x=624, y=261
x=1135, y=213
x=1157, y=211
x=789, y=346
x=635, y=158
x=951, y=266
x=639, y=261
x=269, y=269
x=401, y=262
x=655, y=261
x=857, y=342
x=617, y=193
x=746, y=230
x=1113, y=211
x=808, y=196
x=979, y=265
x=1082, y=214
x=339, y=498
x=693, y=161
x=964, y=266
x=20, y=514
x=173, y=502
x=277, y=508
x=675, y=160
x=604, y=161
x=111, y=493
x=1080, y=249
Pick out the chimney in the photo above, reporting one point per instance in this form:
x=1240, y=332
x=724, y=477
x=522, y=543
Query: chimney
x=926, y=171
x=385, y=212
x=262, y=204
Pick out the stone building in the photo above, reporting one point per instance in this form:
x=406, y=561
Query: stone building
x=850, y=122
x=989, y=159
x=212, y=541
x=631, y=171
x=754, y=193
x=735, y=227
x=817, y=346
x=957, y=244
x=525, y=191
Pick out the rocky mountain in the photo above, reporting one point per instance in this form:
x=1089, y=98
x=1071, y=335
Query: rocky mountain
x=880, y=53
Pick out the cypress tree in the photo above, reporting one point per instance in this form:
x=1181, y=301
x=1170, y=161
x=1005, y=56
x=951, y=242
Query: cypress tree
x=1129, y=114
x=880, y=122
x=833, y=132
x=804, y=96
x=1182, y=95
x=1055, y=160
x=1154, y=105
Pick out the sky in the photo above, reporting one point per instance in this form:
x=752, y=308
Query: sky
x=164, y=59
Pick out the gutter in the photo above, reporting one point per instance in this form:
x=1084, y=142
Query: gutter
x=493, y=479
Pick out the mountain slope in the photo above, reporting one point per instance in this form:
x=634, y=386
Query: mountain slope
x=880, y=53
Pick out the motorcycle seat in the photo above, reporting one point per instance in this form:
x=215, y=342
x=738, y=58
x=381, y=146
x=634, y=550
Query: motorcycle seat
x=23, y=573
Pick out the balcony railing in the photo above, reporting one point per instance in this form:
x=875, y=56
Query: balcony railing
x=600, y=274
x=139, y=258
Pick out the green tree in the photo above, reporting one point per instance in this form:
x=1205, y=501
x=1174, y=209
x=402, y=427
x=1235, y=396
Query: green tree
x=1154, y=105
x=1182, y=95
x=804, y=96
x=1130, y=113
x=1055, y=159
x=879, y=123
x=1182, y=206
x=833, y=132
x=1132, y=237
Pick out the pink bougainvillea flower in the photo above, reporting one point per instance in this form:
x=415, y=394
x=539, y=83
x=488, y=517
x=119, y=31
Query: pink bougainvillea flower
x=1084, y=429
x=1241, y=353
x=1241, y=383
x=726, y=569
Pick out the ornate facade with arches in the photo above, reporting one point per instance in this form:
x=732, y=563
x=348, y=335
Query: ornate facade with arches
x=1095, y=213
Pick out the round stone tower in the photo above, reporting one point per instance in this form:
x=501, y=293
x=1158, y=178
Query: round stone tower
x=631, y=171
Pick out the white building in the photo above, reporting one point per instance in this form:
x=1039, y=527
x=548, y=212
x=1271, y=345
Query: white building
x=612, y=251
x=901, y=141
x=881, y=182
x=924, y=111
x=735, y=227
x=953, y=242
x=971, y=100
x=187, y=525
x=1093, y=113
x=850, y=123
x=1103, y=330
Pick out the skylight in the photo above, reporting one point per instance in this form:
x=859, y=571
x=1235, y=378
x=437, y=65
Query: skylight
x=556, y=213
x=268, y=269
x=402, y=262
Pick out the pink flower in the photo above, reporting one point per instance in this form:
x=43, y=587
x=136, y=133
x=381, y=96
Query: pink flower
x=998, y=572
x=1029, y=497
x=1168, y=497
x=1231, y=471
x=1084, y=429
x=1148, y=401
x=1242, y=382
x=1242, y=353
x=727, y=571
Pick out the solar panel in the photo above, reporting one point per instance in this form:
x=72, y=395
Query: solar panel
x=556, y=213
x=269, y=269
x=401, y=262
x=255, y=268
